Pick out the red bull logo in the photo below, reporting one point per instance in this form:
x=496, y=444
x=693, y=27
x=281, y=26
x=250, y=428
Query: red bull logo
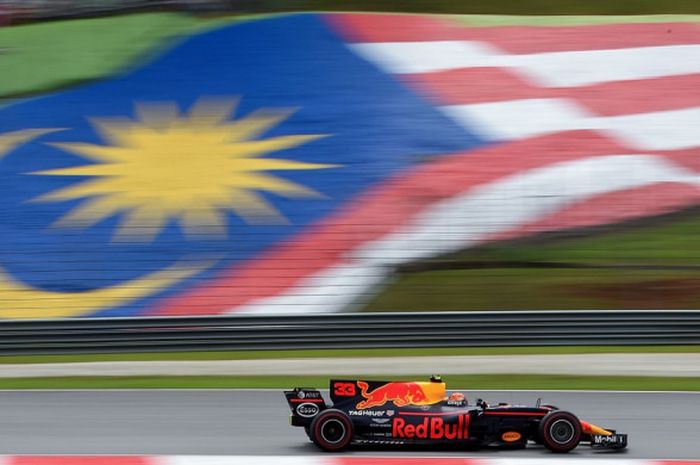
x=431, y=428
x=401, y=394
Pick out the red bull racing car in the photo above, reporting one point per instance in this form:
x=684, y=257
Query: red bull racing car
x=381, y=412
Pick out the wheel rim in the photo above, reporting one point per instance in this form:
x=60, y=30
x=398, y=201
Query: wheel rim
x=333, y=431
x=562, y=431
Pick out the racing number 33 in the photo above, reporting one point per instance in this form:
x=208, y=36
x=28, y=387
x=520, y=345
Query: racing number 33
x=344, y=389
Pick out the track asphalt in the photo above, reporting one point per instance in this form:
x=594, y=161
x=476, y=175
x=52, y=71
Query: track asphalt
x=244, y=422
x=579, y=364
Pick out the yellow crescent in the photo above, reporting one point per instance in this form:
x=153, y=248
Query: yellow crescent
x=22, y=301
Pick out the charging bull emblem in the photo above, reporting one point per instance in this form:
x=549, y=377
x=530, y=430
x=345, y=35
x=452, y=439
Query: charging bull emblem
x=401, y=394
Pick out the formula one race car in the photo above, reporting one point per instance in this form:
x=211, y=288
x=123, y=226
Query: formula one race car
x=380, y=412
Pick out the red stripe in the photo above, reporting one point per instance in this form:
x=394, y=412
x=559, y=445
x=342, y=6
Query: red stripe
x=512, y=39
x=484, y=85
x=393, y=28
x=673, y=462
x=621, y=205
x=377, y=213
x=686, y=158
x=433, y=414
x=474, y=85
x=639, y=96
x=539, y=39
x=517, y=414
x=79, y=460
x=306, y=400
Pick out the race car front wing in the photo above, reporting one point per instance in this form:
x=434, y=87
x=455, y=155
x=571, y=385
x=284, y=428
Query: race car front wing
x=612, y=441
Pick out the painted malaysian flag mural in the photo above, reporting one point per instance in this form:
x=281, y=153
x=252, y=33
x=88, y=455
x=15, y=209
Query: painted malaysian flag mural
x=290, y=164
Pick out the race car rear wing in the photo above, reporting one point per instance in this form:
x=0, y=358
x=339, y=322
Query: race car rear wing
x=305, y=404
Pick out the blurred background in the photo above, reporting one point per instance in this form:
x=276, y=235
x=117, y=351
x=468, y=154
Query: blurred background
x=66, y=8
x=375, y=162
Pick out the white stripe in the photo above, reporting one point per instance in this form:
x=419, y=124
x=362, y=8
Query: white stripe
x=568, y=461
x=551, y=69
x=336, y=287
x=516, y=119
x=516, y=200
x=582, y=68
x=469, y=218
x=242, y=460
x=423, y=57
x=667, y=130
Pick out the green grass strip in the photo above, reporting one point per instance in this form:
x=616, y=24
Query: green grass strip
x=42, y=57
x=468, y=382
x=340, y=353
x=540, y=289
x=671, y=242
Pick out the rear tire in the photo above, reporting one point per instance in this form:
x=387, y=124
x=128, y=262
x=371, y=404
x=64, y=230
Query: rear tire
x=560, y=431
x=331, y=430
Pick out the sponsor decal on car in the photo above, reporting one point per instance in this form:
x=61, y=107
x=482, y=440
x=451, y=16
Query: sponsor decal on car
x=431, y=428
x=400, y=393
x=370, y=413
x=381, y=420
x=380, y=423
x=613, y=439
x=307, y=410
x=511, y=436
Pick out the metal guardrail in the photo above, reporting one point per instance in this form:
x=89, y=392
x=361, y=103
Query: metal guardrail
x=340, y=331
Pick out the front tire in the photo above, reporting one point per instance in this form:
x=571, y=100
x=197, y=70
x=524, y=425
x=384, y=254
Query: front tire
x=331, y=430
x=560, y=431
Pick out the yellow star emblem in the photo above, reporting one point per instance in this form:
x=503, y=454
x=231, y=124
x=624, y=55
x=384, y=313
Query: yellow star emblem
x=190, y=168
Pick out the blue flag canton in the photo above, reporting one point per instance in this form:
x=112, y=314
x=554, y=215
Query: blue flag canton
x=234, y=140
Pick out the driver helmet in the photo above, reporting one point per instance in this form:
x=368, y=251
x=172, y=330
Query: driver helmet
x=457, y=399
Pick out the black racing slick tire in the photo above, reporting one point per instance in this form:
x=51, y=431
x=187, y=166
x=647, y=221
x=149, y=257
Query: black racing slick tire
x=560, y=431
x=331, y=430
